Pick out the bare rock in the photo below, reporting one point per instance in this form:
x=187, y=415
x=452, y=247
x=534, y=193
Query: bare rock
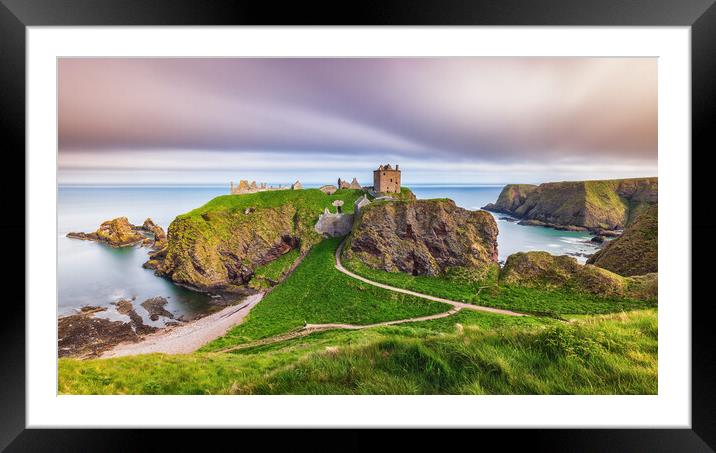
x=155, y=307
x=423, y=237
x=116, y=233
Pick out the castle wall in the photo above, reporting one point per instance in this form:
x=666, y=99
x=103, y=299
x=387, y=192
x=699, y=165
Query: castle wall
x=386, y=181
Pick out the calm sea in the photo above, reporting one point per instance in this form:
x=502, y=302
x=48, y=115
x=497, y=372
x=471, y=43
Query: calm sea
x=93, y=274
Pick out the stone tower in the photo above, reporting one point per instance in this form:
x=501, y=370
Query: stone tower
x=386, y=179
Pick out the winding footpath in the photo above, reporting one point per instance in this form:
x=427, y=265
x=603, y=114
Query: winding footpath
x=455, y=304
x=313, y=328
x=192, y=336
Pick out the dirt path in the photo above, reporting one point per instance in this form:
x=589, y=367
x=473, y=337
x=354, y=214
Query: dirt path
x=456, y=304
x=188, y=337
x=312, y=328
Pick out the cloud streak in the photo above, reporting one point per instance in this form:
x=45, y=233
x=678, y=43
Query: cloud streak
x=119, y=114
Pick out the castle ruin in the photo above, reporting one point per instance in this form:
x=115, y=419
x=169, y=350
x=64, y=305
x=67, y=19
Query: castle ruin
x=245, y=187
x=386, y=179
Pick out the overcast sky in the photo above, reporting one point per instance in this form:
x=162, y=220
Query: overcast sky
x=455, y=120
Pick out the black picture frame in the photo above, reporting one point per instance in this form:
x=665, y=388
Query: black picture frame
x=699, y=15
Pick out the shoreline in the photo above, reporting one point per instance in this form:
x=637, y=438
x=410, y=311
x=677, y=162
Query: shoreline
x=188, y=337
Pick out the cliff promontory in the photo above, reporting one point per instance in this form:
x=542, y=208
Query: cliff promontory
x=218, y=246
x=422, y=237
x=594, y=205
x=635, y=252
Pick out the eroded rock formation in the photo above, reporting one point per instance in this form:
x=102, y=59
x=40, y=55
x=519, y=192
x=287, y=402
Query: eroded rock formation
x=116, y=232
x=423, y=237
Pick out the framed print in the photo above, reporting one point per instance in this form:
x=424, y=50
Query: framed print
x=241, y=218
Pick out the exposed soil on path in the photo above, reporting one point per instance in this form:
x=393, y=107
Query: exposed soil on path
x=189, y=337
x=456, y=304
x=313, y=328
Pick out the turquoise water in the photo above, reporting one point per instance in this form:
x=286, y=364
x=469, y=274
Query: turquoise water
x=93, y=274
x=512, y=237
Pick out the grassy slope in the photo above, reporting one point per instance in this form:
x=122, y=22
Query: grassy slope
x=602, y=202
x=518, y=298
x=215, y=223
x=272, y=272
x=200, y=239
x=484, y=354
x=317, y=293
x=312, y=199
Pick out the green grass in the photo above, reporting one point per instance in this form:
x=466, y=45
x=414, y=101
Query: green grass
x=551, y=302
x=272, y=272
x=318, y=293
x=312, y=200
x=558, y=302
x=471, y=353
x=454, y=285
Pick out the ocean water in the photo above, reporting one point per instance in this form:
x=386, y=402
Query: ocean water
x=94, y=274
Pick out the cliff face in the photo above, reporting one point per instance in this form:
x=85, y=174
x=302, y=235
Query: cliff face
x=543, y=270
x=609, y=205
x=423, y=237
x=635, y=252
x=218, y=246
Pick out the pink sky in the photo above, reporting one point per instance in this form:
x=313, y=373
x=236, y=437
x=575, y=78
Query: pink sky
x=475, y=120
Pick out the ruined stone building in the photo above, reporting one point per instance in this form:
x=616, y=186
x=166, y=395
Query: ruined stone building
x=386, y=179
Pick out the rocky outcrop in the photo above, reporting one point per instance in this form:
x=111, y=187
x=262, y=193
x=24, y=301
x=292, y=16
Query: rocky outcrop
x=120, y=233
x=116, y=233
x=608, y=205
x=635, y=252
x=82, y=335
x=155, y=308
x=219, y=251
x=545, y=271
x=217, y=248
x=159, y=238
x=423, y=237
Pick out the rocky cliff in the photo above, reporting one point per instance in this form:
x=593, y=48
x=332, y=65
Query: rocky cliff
x=546, y=271
x=635, y=252
x=217, y=247
x=422, y=237
x=609, y=205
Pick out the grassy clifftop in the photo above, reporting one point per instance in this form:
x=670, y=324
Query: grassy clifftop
x=605, y=204
x=219, y=246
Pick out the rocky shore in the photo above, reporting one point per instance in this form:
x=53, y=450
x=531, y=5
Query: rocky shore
x=85, y=335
